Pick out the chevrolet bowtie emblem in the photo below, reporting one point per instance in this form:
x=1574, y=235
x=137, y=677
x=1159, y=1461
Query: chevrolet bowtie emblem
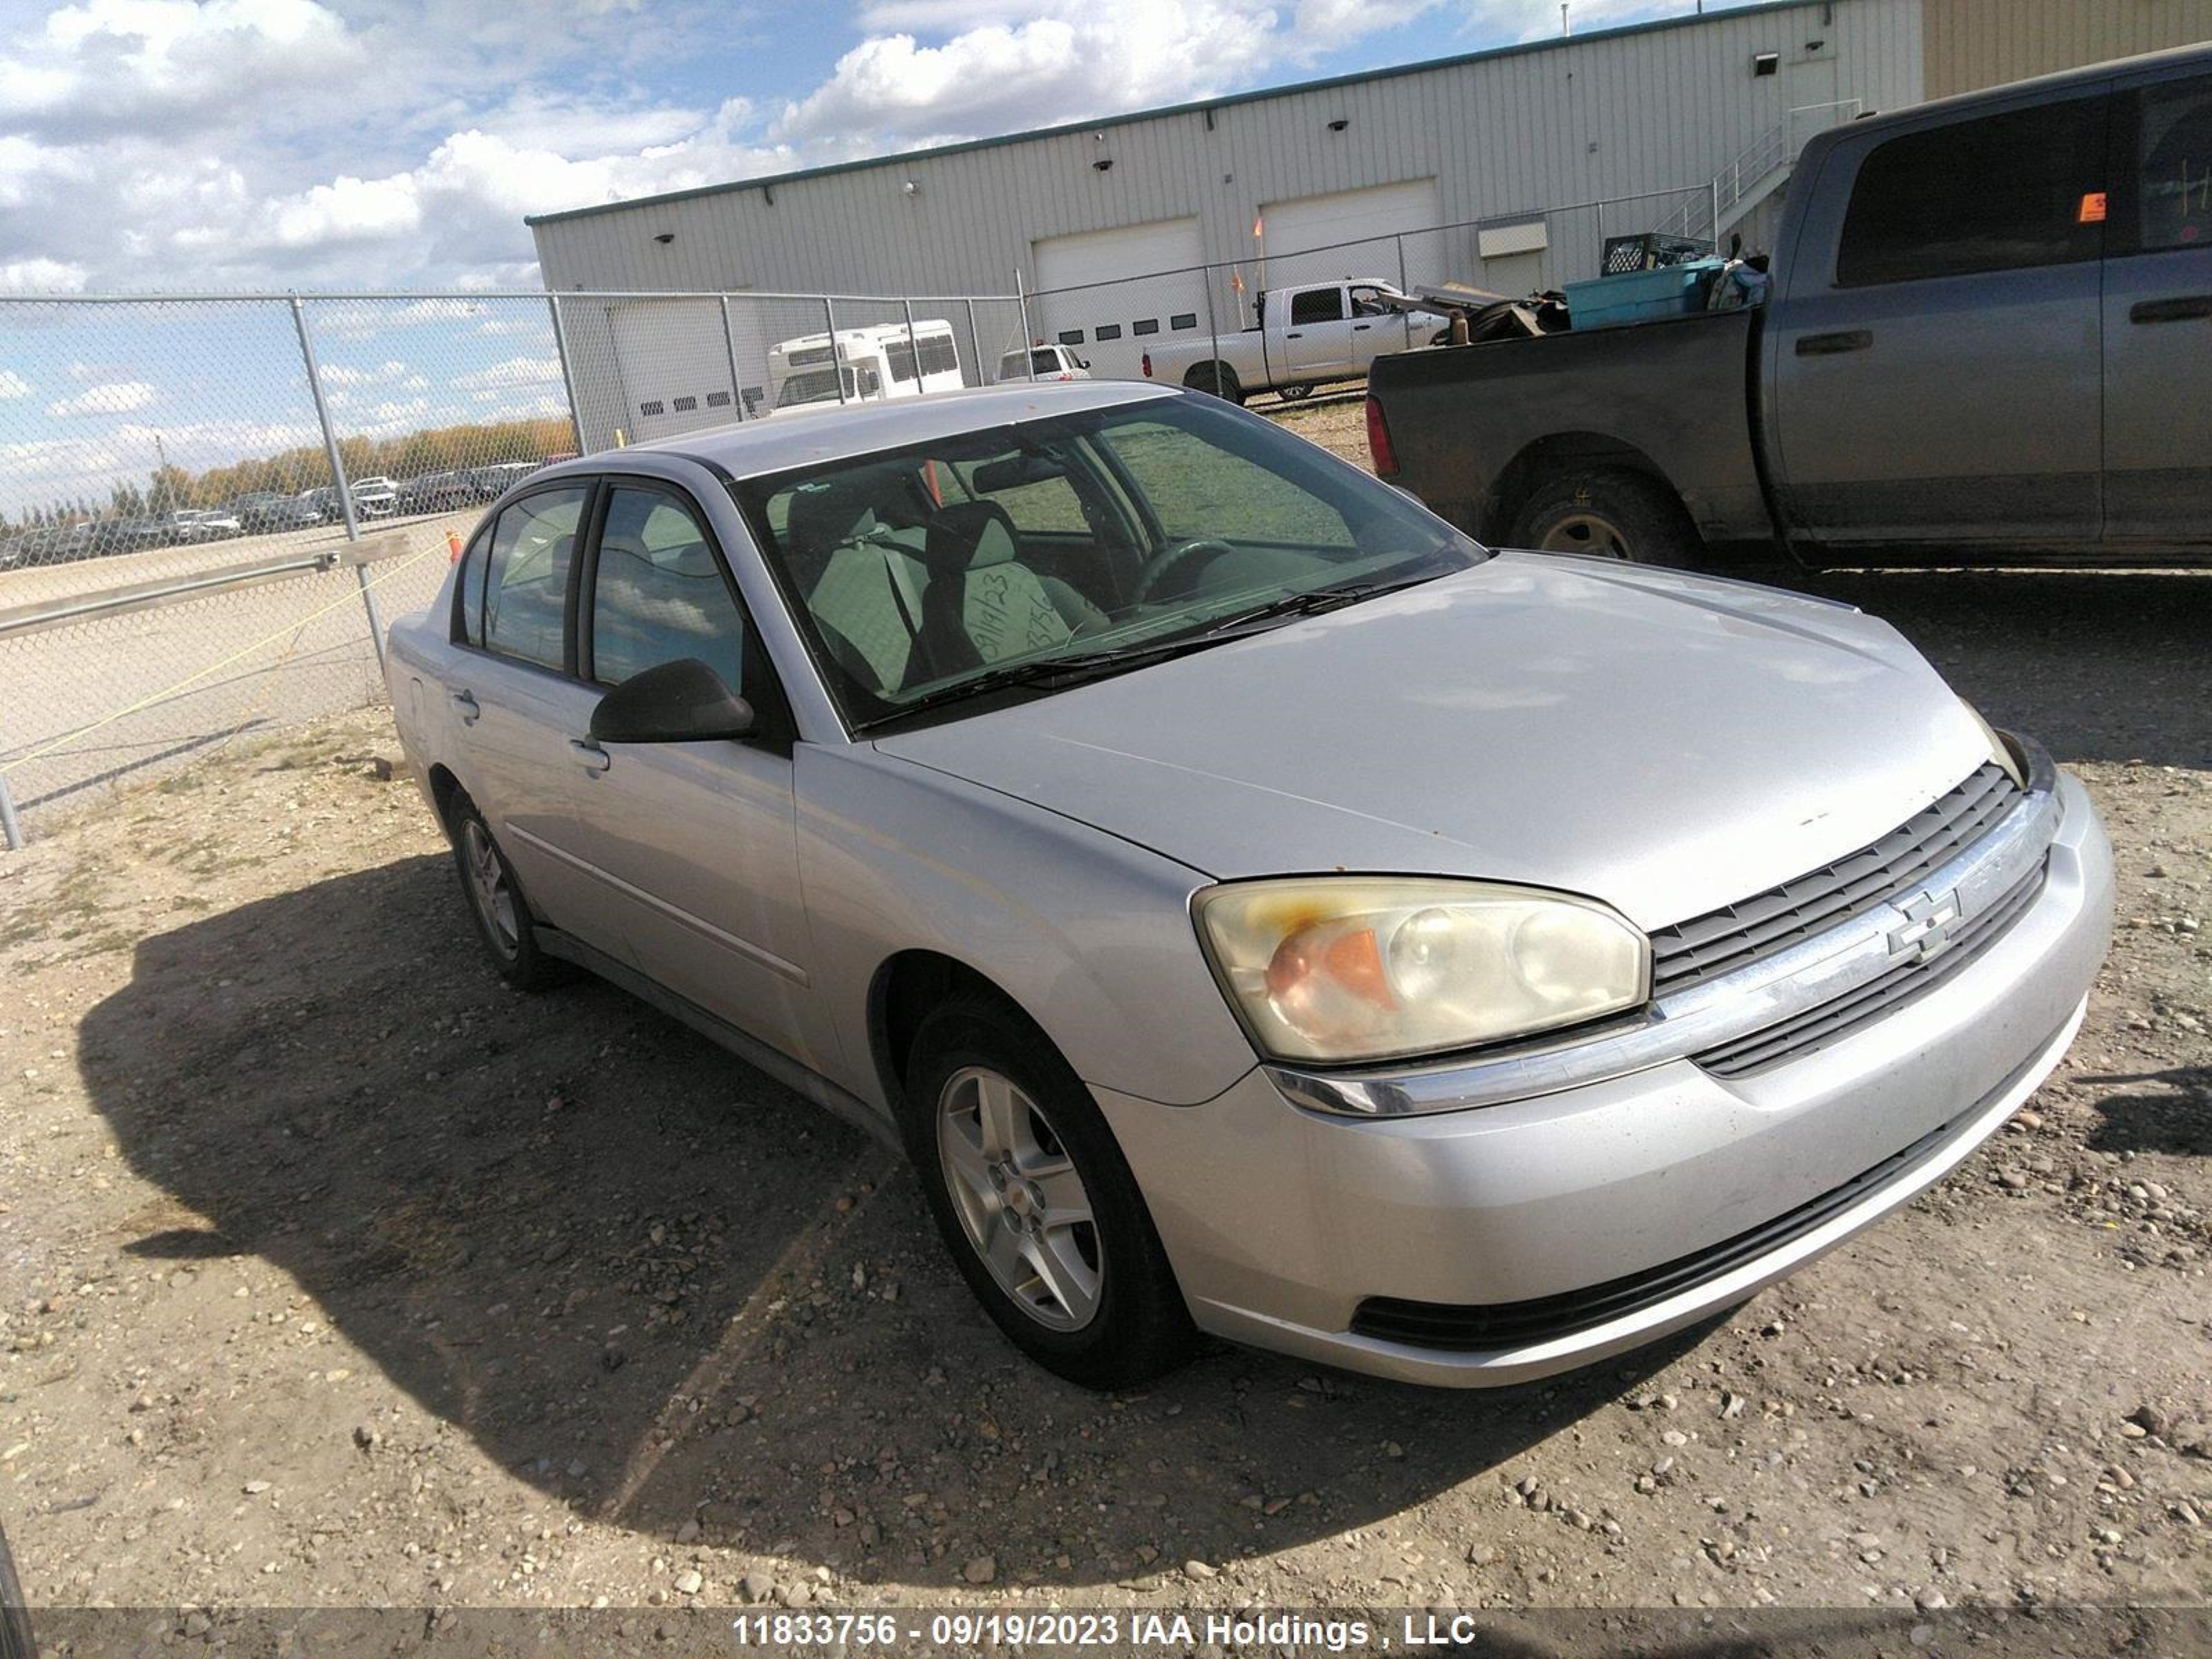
x=1929, y=927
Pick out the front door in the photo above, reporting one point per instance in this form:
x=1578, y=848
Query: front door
x=694, y=844
x=1935, y=373
x=2158, y=317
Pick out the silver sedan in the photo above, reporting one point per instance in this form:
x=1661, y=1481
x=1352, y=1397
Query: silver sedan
x=1254, y=908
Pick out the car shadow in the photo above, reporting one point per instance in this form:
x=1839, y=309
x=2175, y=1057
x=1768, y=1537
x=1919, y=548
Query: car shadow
x=2099, y=665
x=2176, y=1118
x=656, y=1285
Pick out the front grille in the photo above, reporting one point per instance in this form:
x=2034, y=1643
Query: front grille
x=1815, y=1028
x=1738, y=935
x=1476, y=1328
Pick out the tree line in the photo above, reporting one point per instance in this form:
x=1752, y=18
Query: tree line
x=306, y=466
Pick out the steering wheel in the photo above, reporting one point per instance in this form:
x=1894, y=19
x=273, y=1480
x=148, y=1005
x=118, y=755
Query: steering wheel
x=1168, y=559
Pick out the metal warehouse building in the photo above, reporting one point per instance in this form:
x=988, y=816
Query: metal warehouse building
x=1505, y=168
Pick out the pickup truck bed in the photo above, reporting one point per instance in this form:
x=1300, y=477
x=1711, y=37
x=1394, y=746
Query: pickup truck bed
x=1479, y=426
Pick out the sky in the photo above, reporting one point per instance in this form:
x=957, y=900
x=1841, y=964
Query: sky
x=151, y=146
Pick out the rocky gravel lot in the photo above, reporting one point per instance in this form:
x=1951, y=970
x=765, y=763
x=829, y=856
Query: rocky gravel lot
x=333, y=1274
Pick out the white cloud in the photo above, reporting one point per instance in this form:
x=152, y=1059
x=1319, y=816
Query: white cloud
x=513, y=371
x=114, y=397
x=40, y=275
x=13, y=385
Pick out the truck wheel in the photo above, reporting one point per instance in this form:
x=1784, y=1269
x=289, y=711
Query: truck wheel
x=1297, y=393
x=1039, y=1211
x=1607, y=513
x=1216, y=378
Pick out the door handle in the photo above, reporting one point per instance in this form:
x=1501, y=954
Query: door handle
x=1833, y=345
x=590, y=756
x=1294, y=337
x=466, y=703
x=2182, y=308
x=1361, y=328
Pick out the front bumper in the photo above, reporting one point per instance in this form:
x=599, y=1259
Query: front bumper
x=1282, y=1221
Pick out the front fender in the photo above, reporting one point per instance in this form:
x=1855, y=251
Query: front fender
x=1091, y=935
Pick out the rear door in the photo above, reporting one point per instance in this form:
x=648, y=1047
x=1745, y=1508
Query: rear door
x=1936, y=368
x=515, y=703
x=2158, y=315
x=1316, y=336
x=694, y=844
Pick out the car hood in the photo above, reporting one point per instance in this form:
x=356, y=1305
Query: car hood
x=1668, y=743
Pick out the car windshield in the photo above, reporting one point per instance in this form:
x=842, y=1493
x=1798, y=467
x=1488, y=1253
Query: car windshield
x=1021, y=559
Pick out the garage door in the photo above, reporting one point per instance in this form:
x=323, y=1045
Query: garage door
x=673, y=365
x=1367, y=216
x=1104, y=293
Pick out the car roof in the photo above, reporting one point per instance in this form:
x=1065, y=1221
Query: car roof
x=829, y=432
x=2054, y=85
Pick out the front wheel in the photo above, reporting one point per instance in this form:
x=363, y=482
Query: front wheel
x=1607, y=513
x=16, y=1641
x=1298, y=392
x=1034, y=1200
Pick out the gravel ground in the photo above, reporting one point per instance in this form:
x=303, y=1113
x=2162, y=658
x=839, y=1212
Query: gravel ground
x=334, y=1274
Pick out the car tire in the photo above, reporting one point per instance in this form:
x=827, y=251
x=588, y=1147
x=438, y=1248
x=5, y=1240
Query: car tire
x=16, y=1641
x=1006, y=1137
x=496, y=902
x=1217, y=379
x=1607, y=513
x=1297, y=391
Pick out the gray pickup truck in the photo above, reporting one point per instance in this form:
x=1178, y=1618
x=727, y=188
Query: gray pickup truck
x=1989, y=339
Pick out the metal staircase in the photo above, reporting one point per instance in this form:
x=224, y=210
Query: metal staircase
x=1754, y=174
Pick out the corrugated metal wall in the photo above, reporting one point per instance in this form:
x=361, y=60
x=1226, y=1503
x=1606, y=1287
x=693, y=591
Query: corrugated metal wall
x=1636, y=110
x=1983, y=43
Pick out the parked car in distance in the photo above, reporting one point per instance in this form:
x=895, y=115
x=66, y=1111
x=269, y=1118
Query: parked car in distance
x=437, y=492
x=215, y=523
x=266, y=510
x=1239, y=892
x=374, y=497
x=1988, y=321
x=1044, y=363
x=489, y=483
x=1304, y=336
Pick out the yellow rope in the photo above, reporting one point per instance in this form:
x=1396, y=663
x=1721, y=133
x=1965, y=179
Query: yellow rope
x=293, y=627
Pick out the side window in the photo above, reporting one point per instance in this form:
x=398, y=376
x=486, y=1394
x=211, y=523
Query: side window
x=526, y=580
x=2171, y=169
x=2003, y=193
x=658, y=594
x=1317, y=305
x=1194, y=488
x=1047, y=503
x=1366, y=304
x=470, y=590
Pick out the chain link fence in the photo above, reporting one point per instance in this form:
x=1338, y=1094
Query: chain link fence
x=208, y=505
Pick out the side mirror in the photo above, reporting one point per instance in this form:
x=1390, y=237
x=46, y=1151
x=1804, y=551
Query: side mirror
x=679, y=701
x=1082, y=362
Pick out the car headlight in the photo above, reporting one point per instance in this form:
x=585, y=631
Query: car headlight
x=2000, y=750
x=1353, y=967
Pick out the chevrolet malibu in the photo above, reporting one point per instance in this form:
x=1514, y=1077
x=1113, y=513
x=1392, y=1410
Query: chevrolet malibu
x=1254, y=908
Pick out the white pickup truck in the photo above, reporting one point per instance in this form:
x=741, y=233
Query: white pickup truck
x=1305, y=336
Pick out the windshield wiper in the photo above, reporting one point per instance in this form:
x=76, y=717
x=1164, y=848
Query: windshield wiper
x=1312, y=603
x=1058, y=673
x=1053, y=673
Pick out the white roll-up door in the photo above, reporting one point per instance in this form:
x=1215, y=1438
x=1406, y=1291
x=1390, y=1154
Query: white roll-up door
x=1105, y=294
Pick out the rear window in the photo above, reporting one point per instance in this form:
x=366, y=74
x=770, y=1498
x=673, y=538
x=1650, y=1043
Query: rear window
x=1317, y=305
x=2173, y=167
x=2004, y=193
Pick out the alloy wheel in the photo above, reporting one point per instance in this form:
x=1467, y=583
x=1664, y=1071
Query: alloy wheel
x=489, y=887
x=1586, y=533
x=1021, y=1201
